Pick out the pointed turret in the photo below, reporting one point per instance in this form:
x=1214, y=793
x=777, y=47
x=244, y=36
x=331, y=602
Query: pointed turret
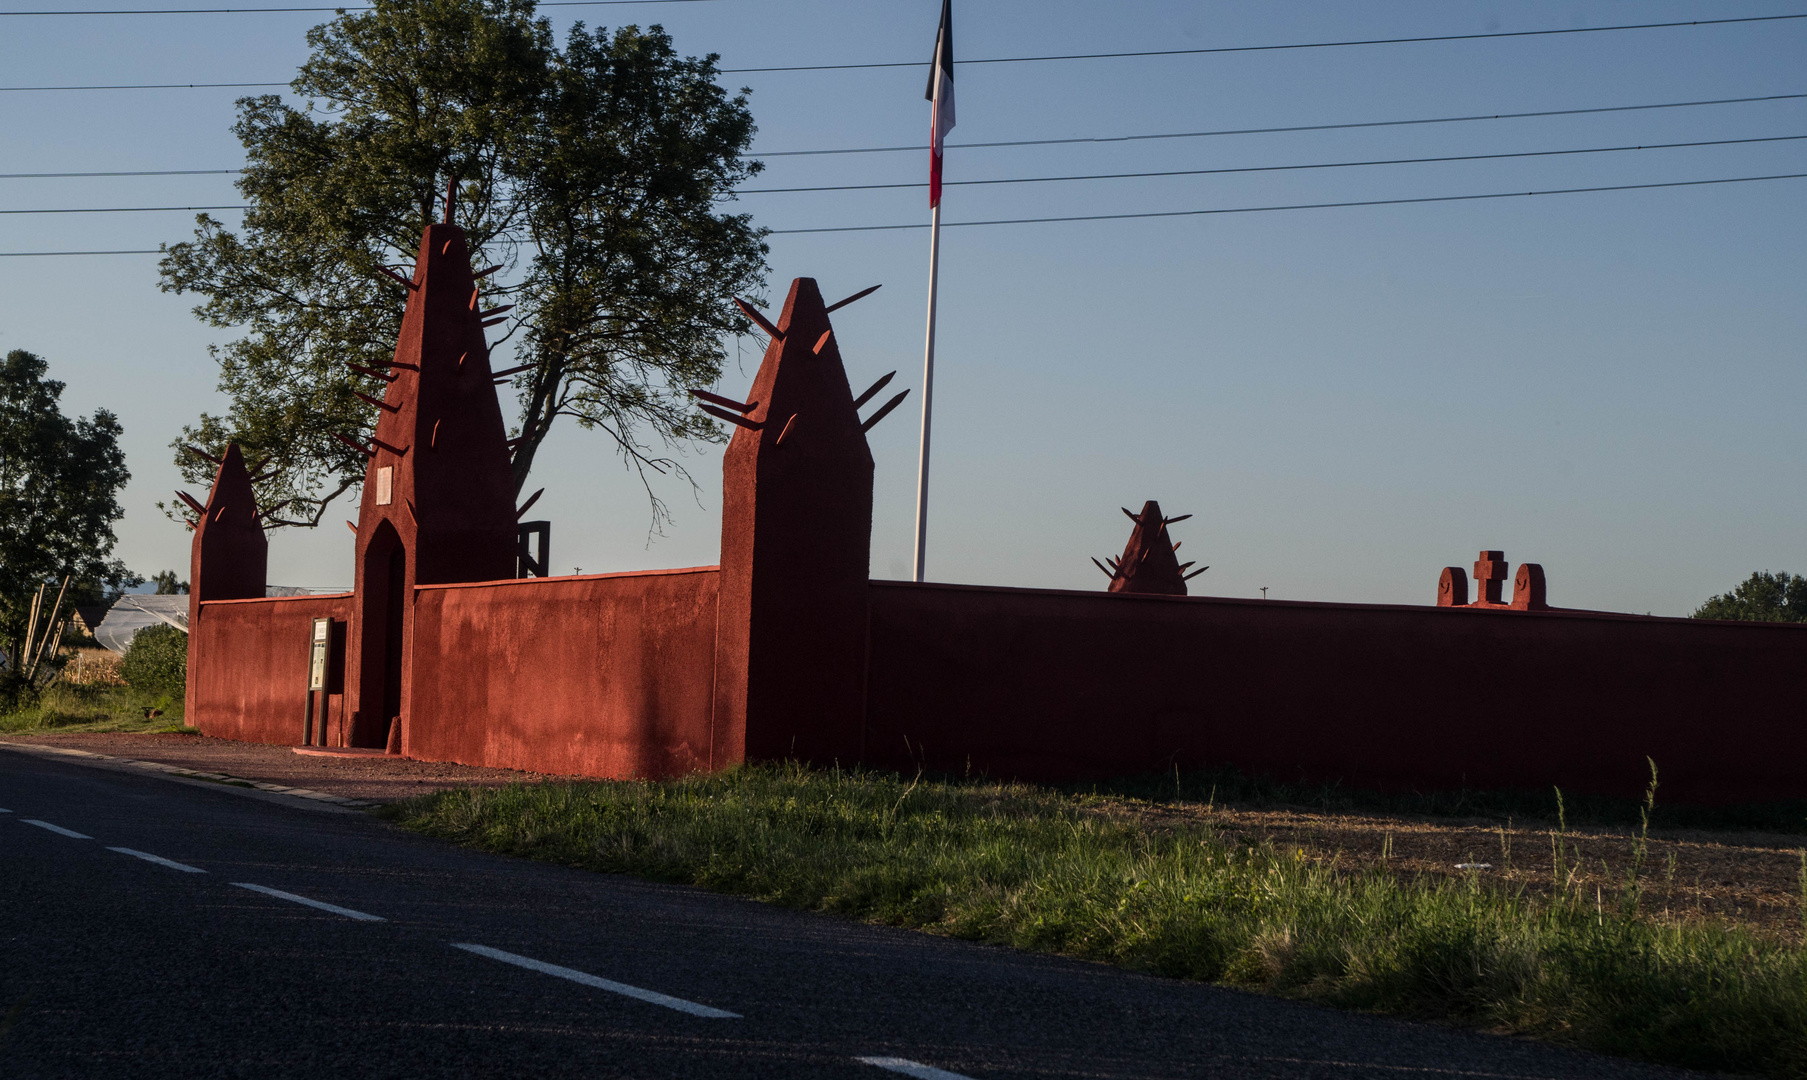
x=796, y=538
x=229, y=559
x=1149, y=563
x=439, y=464
x=438, y=503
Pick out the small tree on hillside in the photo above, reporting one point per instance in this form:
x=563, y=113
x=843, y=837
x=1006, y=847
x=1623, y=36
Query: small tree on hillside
x=59, y=497
x=1764, y=597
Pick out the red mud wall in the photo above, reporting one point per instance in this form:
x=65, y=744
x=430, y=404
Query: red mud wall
x=606, y=675
x=1040, y=684
x=253, y=685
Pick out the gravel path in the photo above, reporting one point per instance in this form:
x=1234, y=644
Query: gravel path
x=378, y=779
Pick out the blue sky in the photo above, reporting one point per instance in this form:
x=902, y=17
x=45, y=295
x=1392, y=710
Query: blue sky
x=1346, y=399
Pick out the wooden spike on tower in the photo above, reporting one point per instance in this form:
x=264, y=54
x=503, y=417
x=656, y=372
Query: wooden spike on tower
x=372, y=372
x=759, y=320
x=733, y=418
x=355, y=445
x=861, y=295
x=378, y=402
x=727, y=403
x=397, y=278
x=884, y=411
x=860, y=401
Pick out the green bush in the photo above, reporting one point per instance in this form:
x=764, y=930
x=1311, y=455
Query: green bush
x=157, y=660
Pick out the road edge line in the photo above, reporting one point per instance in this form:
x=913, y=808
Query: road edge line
x=295, y=797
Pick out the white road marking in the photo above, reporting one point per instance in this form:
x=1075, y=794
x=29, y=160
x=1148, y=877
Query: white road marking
x=58, y=829
x=611, y=986
x=293, y=899
x=912, y=1068
x=159, y=860
x=3, y=810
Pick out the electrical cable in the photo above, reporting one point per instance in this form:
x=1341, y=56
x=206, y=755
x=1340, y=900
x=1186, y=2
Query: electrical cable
x=1293, y=128
x=1161, y=213
x=140, y=172
x=335, y=9
x=1092, y=139
x=1018, y=179
x=1279, y=48
x=1297, y=206
x=119, y=209
x=1277, y=168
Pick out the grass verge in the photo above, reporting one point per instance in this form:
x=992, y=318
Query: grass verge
x=74, y=707
x=1256, y=792
x=1041, y=869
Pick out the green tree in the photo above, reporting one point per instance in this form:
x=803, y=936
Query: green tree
x=1764, y=597
x=156, y=660
x=594, y=175
x=59, y=497
x=168, y=584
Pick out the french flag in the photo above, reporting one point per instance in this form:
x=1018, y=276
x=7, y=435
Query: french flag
x=941, y=93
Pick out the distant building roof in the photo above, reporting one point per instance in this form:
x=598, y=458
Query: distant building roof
x=135, y=611
x=88, y=616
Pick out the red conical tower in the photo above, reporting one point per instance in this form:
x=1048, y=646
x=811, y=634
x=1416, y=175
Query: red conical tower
x=230, y=557
x=1148, y=563
x=438, y=503
x=796, y=538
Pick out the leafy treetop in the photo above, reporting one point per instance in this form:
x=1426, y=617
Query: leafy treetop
x=593, y=175
x=1763, y=597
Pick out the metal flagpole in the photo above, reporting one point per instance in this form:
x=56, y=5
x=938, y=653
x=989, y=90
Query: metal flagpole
x=928, y=394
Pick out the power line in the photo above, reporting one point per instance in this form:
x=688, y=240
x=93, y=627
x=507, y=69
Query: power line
x=35, y=254
x=141, y=172
x=1026, y=179
x=120, y=209
x=335, y=9
x=1292, y=128
x=1280, y=168
x=1089, y=139
x=148, y=86
x=1278, y=48
x=1158, y=214
x=1299, y=206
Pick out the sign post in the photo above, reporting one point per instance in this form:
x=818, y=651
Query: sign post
x=318, y=651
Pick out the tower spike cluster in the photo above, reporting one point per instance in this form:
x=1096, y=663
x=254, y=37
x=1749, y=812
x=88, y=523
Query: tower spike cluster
x=1149, y=563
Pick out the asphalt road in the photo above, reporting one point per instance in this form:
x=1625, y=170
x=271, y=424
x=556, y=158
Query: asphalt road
x=428, y=960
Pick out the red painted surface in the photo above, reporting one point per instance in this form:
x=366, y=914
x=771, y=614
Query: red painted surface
x=1062, y=685
x=444, y=511
x=1149, y=563
x=251, y=681
x=608, y=675
x=1529, y=592
x=229, y=556
x=787, y=650
x=796, y=539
